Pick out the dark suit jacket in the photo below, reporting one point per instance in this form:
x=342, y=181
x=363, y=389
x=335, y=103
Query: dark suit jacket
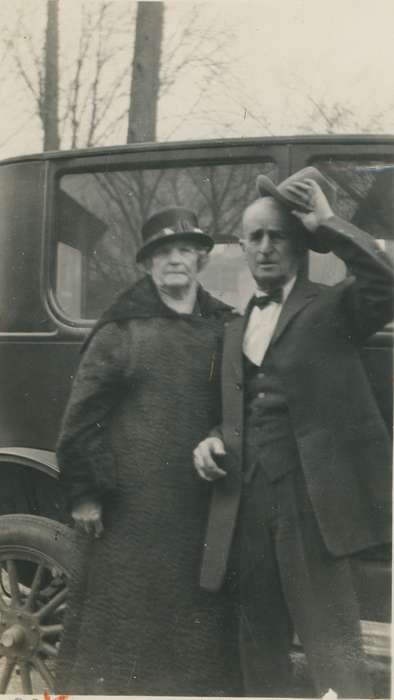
x=343, y=443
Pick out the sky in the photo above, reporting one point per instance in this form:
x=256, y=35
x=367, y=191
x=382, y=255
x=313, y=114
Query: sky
x=288, y=52
x=284, y=61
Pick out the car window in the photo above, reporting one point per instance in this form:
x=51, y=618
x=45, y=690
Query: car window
x=100, y=214
x=365, y=197
x=99, y=217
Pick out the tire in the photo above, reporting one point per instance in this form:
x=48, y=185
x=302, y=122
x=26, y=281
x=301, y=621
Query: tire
x=35, y=561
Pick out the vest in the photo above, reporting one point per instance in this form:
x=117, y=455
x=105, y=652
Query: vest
x=269, y=441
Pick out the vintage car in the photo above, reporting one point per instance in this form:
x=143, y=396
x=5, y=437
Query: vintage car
x=69, y=228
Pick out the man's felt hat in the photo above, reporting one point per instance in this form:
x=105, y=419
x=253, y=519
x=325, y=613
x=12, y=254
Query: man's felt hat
x=170, y=225
x=281, y=194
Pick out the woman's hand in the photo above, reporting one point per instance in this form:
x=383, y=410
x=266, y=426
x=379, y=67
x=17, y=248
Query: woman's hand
x=87, y=516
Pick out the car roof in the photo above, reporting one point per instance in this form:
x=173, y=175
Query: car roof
x=345, y=139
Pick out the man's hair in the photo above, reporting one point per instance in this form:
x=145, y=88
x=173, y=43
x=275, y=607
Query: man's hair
x=295, y=225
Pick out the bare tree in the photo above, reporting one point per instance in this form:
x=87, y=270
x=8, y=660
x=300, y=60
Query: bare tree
x=329, y=118
x=111, y=39
x=95, y=93
x=79, y=96
x=194, y=50
x=338, y=117
x=38, y=69
x=20, y=47
x=195, y=54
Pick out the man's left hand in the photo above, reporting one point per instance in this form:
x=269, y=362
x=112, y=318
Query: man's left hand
x=312, y=197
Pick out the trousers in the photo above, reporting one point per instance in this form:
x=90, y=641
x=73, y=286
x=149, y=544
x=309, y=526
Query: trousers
x=288, y=581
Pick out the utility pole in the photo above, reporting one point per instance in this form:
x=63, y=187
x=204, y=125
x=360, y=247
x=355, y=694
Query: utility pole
x=145, y=78
x=50, y=89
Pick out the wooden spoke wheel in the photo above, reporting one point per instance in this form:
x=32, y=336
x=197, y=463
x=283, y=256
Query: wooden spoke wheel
x=35, y=556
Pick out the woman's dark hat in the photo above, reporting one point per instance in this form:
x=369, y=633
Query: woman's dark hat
x=266, y=188
x=172, y=224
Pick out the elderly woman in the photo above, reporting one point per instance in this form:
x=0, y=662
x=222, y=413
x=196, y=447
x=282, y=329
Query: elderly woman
x=145, y=394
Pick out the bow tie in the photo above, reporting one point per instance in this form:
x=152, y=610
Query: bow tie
x=275, y=295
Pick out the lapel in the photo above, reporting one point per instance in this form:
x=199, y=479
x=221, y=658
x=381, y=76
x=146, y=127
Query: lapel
x=232, y=353
x=302, y=293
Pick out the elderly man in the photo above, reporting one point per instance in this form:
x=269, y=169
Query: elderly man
x=302, y=458
x=146, y=391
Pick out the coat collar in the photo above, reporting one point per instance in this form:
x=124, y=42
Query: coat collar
x=302, y=293
x=143, y=301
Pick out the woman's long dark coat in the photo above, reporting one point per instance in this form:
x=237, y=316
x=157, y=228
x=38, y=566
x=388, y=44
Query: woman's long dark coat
x=145, y=394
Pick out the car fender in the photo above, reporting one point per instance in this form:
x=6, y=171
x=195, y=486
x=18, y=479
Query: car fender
x=42, y=460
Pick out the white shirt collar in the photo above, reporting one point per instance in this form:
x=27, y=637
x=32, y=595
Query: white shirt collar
x=286, y=289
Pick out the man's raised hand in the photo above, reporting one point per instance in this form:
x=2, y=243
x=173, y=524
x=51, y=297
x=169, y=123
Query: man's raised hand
x=312, y=197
